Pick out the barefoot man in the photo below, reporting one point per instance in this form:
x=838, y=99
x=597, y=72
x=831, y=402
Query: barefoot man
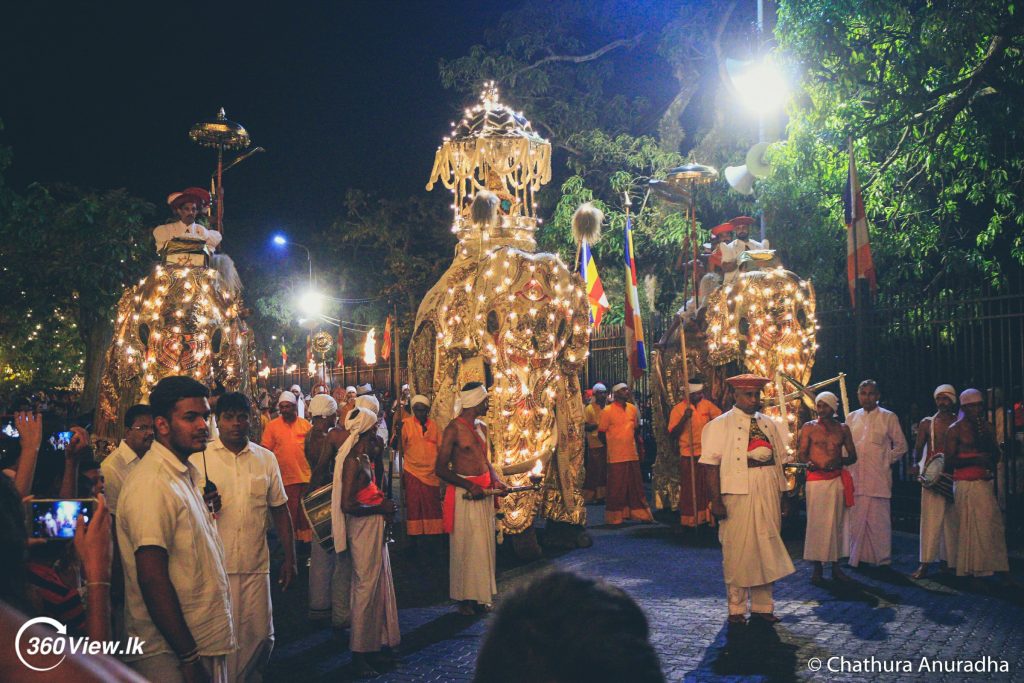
x=829, y=485
x=972, y=454
x=463, y=463
x=938, y=515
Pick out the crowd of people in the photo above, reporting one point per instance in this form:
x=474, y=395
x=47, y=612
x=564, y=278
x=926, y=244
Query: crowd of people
x=175, y=551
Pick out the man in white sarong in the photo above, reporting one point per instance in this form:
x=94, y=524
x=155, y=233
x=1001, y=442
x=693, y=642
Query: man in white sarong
x=744, y=449
x=463, y=462
x=248, y=480
x=374, y=608
x=880, y=443
x=938, y=514
x=186, y=206
x=829, y=487
x=972, y=454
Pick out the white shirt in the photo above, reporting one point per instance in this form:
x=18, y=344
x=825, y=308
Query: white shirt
x=249, y=484
x=169, y=231
x=731, y=254
x=115, y=468
x=724, y=441
x=161, y=506
x=880, y=443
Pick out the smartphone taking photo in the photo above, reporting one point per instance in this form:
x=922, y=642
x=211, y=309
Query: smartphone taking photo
x=54, y=519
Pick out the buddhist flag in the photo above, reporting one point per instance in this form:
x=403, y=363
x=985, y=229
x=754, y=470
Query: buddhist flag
x=634, y=328
x=595, y=290
x=284, y=355
x=385, y=348
x=858, y=249
x=339, y=351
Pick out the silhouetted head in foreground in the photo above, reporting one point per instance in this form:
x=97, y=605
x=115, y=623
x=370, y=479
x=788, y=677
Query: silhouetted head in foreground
x=564, y=628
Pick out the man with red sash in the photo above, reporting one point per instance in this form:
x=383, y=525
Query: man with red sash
x=972, y=455
x=463, y=462
x=938, y=514
x=685, y=424
x=619, y=429
x=420, y=440
x=829, y=485
x=743, y=450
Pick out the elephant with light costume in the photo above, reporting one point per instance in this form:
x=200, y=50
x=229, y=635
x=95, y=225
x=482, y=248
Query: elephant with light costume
x=511, y=318
x=184, y=318
x=764, y=323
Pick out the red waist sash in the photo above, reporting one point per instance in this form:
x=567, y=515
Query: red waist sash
x=970, y=473
x=370, y=495
x=450, y=491
x=819, y=475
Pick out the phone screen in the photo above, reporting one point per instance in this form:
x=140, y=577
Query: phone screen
x=61, y=440
x=9, y=429
x=55, y=520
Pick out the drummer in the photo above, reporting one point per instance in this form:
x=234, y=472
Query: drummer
x=938, y=514
x=829, y=485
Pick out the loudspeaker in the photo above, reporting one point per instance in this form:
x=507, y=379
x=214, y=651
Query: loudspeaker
x=740, y=179
x=756, y=163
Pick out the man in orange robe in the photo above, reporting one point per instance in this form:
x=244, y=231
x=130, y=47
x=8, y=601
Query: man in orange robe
x=285, y=435
x=619, y=429
x=420, y=440
x=685, y=424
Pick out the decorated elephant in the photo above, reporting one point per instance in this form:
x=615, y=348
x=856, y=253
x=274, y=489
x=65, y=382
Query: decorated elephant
x=184, y=318
x=764, y=323
x=506, y=316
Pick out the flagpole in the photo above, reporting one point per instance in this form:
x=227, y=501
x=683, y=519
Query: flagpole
x=628, y=306
x=858, y=308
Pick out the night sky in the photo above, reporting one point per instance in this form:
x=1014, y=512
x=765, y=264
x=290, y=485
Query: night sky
x=341, y=94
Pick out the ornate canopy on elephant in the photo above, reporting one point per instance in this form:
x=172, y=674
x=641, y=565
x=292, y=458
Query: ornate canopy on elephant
x=507, y=316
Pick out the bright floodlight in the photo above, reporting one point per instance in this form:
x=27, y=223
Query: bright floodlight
x=280, y=240
x=761, y=86
x=311, y=303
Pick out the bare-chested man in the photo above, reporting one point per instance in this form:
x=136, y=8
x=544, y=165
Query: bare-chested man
x=938, y=515
x=463, y=463
x=971, y=454
x=829, y=486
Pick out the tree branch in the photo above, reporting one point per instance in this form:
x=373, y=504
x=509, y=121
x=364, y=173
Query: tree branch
x=574, y=59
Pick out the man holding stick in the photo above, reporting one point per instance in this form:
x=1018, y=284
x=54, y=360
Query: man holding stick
x=463, y=462
x=685, y=424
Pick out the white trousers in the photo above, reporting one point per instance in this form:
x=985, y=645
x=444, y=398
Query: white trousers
x=254, y=627
x=330, y=585
x=760, y=598
x=165, y=668
x=869, y=530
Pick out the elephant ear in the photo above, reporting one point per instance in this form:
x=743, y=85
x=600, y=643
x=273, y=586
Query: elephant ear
x=484, y=210
x=586, y=223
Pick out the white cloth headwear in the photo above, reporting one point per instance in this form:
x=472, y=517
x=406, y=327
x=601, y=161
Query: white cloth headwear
x=404, y=387
x=363, y=389
x=694, y=387
x=296, y=389
x=470, y=398
x=971, y=396
x=357, y=422
x=420, y=399
x=600, y=387
x=348, y=389
x=620, y=385
x=829, y=399
x=369, y=402
x=322, y=405
x=287, y=397
x=945, y=389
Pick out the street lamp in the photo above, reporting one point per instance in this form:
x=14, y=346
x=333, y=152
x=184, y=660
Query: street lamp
x=282, y=241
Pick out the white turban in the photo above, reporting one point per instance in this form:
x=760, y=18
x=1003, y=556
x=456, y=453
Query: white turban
x=368, y=402
x=363, y=389
x=404, y=387
x=420, y=399
x=946, y=389
x=357, y=422
x=296, y=389
x=620, y=385
x=287, y=397
x=600, y=387
x=970, y=397
x=829, y=399
x=470, y=399
x=694, y=387
x=322, y=405
x=350, y=389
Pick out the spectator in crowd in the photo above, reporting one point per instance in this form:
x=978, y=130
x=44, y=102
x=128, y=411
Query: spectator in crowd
x=285, y=436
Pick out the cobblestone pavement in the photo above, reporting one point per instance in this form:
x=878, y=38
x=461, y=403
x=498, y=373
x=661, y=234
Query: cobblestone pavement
x=883, y=618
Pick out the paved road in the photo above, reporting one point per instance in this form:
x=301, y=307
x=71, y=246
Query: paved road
x=678, y=582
